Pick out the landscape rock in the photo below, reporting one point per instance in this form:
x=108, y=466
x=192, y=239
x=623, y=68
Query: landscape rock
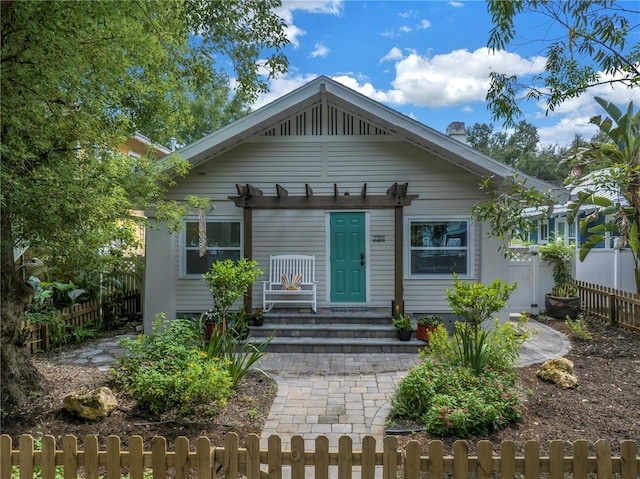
x=93, y=405
x=558, y=371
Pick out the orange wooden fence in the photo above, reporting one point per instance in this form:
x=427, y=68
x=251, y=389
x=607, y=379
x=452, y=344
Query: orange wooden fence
x=80, y=315
x=619, y=308
x=202, y=460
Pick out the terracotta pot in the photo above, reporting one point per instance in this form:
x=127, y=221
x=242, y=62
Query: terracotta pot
x=424, y=331
x=208, y=329
x=404, y=335
x=560, y=307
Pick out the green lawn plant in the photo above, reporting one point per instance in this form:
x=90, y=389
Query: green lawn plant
x=475, y=303
x=560, y=256
x=401, y=321
x=228, y=282
x=450, y=400
x=169, y=368
x=237, y=355
x=466, y=385
x=578, y=328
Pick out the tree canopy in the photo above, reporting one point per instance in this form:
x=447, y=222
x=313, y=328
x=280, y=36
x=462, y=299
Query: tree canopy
x=592, y=50
x=77, y=79
x=586, y=43
x=521, y=149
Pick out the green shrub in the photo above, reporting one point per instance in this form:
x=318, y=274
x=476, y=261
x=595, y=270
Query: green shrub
x=500, y=345
x=578, y=328
x=237, y=355
x=475, y=303
x=169, y=369
x=452, y=401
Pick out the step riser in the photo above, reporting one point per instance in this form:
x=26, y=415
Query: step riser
x=321, y=319
x=401, y=347
x=332, y=332
x=324, y=333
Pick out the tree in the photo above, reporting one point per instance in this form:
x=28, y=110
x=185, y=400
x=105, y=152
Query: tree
x=595, y=38
x=520, y=149
x=76, y=79
x=620, y=158
x=586, y=45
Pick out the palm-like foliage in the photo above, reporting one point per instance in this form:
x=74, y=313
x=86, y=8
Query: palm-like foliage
x=621, y=157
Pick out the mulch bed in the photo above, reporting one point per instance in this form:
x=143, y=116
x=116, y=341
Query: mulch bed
x=605, y=404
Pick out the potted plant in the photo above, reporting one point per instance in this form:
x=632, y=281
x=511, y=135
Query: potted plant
x=402, y=323
x=228, y=282
x=257, y=318
x=426, y=325
x=563, y=300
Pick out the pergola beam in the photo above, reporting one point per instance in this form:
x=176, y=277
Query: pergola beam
x=252, y=197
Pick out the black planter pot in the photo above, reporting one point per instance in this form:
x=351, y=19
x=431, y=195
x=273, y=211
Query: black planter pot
x=257, y=321
x=404, y=335
x=560, y=307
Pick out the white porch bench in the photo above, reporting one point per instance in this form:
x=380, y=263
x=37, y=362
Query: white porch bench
x=291, y=281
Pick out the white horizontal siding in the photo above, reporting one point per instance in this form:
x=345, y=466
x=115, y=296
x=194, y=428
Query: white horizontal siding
x=321, y=162
x=289, y=232
x=381, y=258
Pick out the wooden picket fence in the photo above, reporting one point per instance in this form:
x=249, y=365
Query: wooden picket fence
x=80, y=315
x=619, y=308
x=204, y=461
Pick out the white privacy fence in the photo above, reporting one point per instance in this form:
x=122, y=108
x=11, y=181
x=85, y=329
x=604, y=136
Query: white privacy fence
x=607, y=267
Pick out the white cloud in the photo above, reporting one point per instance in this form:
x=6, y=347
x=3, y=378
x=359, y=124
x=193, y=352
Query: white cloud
x=367, y=89
x=572, y=116
x=320, y=51
x=293, y=33
x=407, y=14
x=331, y=7
x=454, y=78
x=456, y=4
x=280, y=86
x=563, y=131
x=405, y=29
x=424, y=24
x=394, y=54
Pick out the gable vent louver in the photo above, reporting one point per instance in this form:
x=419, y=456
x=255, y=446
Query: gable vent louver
x=312, y=122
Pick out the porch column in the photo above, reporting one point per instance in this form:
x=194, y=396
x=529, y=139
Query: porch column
x=398, y=290
x=248, y=251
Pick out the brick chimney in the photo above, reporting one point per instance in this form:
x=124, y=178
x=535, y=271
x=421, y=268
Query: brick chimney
x=457, y=131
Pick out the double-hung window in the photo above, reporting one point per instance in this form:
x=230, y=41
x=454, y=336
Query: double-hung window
x=223, y=242
x=439, y=247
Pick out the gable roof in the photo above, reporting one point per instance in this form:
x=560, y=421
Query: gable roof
x=324, y=90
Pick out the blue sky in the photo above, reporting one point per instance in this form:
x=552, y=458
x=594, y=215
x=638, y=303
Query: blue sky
x=426, y=59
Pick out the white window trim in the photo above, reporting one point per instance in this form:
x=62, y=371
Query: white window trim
x=543, y=239
x=183, y=241
x=407, y=247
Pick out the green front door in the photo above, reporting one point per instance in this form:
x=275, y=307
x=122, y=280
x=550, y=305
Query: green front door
x=348, y=260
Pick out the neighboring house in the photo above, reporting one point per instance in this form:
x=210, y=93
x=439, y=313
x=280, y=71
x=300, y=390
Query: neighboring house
x=557, y=225
x=606, y=264
x=137, y=146
x=321, y=164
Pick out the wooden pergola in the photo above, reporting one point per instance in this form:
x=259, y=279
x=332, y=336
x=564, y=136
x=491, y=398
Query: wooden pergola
x=251, y=198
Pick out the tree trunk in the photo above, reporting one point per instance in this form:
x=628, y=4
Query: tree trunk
x=19, y=377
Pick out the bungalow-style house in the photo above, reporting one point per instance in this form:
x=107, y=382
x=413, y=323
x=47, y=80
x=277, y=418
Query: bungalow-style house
x=328, y=172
